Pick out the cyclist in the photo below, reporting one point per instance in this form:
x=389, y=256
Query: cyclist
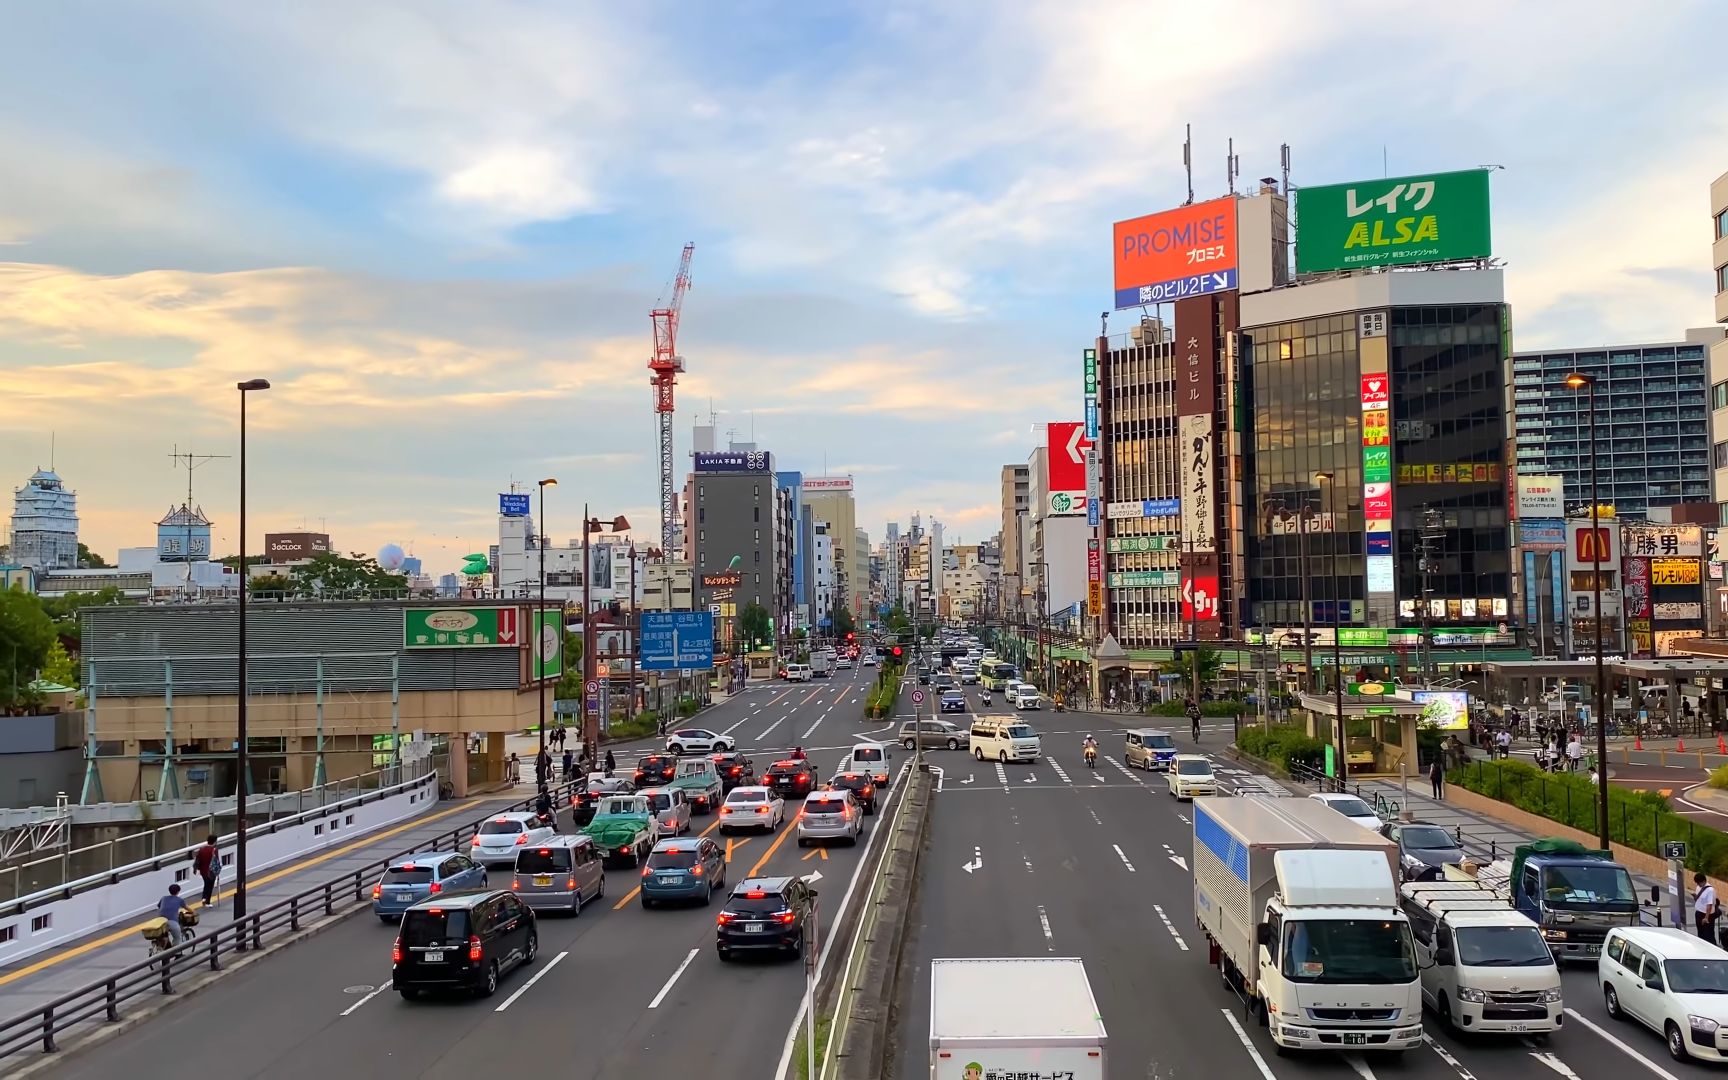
x=1194, y=719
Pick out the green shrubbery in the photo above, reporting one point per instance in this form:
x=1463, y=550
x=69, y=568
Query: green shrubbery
x=1639, y=819
x=1283, y=745
x=879, y=702
x=637, y=727
x=1207, y=708
x=1719, y=777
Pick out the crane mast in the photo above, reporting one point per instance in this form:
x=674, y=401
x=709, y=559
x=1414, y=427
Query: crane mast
x=666, y=364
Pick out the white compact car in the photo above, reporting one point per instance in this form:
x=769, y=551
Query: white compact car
x=697, y=741
x=751, y=807
x=496, y=841
x=1351, y=807
x=1191, y=775
x=1672, y=982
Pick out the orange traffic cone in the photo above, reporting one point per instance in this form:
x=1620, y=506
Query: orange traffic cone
x=1680, y=745
x=1637, y=742
x=1721, y=745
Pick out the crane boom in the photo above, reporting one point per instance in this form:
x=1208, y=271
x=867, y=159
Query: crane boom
x=666, y=363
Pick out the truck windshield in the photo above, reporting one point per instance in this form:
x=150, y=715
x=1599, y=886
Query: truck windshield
x=1502, y=946
x=1698, y=976
x=1595, y=886
x=1348, y=951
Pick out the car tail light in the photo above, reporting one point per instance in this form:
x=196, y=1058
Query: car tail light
x=869, y=789
x=396, y=951
x=696, y=870
x=784, y=917
x=723, y=918
x=521, y=839
x=625, y=850
x=436, y=888
x=474, y=842
x=474, y=951
x=570, y=883
x=755, y=894
x=761, y=809
x=725, y=810
x=802, y=777
x=515, y=886
x=377, y=891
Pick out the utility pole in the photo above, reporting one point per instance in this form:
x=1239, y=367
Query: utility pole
x=192, y=462
x=1433, y=532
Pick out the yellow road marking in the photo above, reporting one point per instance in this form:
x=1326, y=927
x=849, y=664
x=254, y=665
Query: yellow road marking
x=734, y=842
x=822, y=851
x=637, y=891
x=109, y=939
x=786, y=830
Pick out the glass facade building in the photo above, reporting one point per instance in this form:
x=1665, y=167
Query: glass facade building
x=1652, y=422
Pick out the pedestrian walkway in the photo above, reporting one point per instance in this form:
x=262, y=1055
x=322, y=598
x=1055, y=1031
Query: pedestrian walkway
x=35, y=981
x=1481, y=836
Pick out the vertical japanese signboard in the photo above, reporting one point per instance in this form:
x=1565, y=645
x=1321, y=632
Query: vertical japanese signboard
x=1196, y=387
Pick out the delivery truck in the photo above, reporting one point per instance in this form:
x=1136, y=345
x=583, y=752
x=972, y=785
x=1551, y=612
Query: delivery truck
x=1574, y=894
x=1032, y=1016
x=1299, y=907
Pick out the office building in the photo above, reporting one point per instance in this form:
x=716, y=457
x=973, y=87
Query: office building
x=740, y=524
x=823, y=565
x=1652, y=421
x=1719, y=350
x=44, y=524
x=830, y=500
x=1055, y=554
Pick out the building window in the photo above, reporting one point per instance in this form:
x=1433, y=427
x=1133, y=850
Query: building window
x=1722, y=224
x=701, y=513
x=1719, y=456
x=1719, y=395
x=758, y=536
x=702, y=535
x=758, y=554
x=1722, y=278
x=758, y=514
x=701, y=491
x=758, y=491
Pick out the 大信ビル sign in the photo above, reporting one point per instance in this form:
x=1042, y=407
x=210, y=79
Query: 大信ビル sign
x=1402, y=221
x=460, y=628
x=1189, y=251
x=513, y=505
x=721, y=581
x=755, y=461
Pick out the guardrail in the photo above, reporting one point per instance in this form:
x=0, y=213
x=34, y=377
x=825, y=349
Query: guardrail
x=103, y=1001
x=77, y=870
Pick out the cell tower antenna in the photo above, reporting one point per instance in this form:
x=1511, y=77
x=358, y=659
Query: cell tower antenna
x=1232, y=164
x=1188, y=161
x=667, y=364
x=193, y=462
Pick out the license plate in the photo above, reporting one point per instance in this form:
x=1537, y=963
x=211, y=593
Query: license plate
x=672, y=878
x=1592, y=950
x=1354, y=1038
x=753, y=928
x=404, y=896
x=542, y=880
x=1517, y=1027
x=433, y=957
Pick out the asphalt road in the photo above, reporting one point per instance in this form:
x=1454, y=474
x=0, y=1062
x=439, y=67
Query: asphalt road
x=1094, y=865
x=619, y=991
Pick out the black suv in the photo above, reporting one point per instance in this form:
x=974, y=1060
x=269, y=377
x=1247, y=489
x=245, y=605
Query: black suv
x=766, y=914
x=653, y=770
x=861, y=785
x=790, y=779
x=463, y=942
x=735, y=770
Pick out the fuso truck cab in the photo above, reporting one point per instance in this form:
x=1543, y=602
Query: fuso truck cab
x=1574, y=895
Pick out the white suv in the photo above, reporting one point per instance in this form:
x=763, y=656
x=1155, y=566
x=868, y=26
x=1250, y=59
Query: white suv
x=1025, y=697
x=497, y=840
x=697, y=741
x=1673, y=983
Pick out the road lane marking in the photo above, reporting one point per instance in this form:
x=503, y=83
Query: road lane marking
x=1446, y=1056
x=1170, y=926
x=1044, y=921
x=741, y=722
x=812, y=728
x=1553, y=1062
x=814, y=694
x=1060, y=774
x=1242, y=1037
x=525, y=987
x=1002, y=776
x=1356, y=1062
x=1623, y=1047
x=119, y=935
x=667, y=989
x=813, y=852
x=1095, y=816
x=1120, y=854
x=383, y=986
x=785, y=831
x=734, y=842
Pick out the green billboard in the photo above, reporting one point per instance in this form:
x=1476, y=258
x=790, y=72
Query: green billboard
x=460, y=628
x=1402, y=221
x=549, y=643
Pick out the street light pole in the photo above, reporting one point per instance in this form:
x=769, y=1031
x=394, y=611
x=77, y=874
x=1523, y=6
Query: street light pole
x=539, y=629
x=241, y=765
x=1331, y=488
x=1580, y=381
x=1307, y=604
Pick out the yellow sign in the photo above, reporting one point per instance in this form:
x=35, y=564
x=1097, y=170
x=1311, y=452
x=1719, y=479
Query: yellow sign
x=1674, y=572
x=1094, y=597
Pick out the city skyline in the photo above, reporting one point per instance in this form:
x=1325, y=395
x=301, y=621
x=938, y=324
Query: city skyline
x=447, y=279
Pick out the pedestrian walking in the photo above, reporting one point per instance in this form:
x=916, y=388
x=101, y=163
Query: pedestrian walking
x=610, y=763
x=207, y=864
x=569, y=764
x=1437, y=776
x=1705, y=907
x=1574, y=753
x=515, y=766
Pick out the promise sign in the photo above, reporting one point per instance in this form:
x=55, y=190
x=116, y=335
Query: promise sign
x=1404, y=221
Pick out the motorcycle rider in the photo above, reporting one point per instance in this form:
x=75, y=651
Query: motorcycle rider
x=543, y=806
x=1090, y=749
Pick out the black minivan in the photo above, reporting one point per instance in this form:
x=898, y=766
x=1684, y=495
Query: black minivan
x=463, y=943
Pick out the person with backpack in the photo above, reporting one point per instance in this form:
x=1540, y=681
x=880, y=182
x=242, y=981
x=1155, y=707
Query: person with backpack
x=1437, y=776
x=207, y=864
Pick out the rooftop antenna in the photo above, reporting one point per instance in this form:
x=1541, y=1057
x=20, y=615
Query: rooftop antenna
x=193, y=462
x=1188, y=161
x=51, y=451
x=1232, y=164
x=1385, y=162
x=1284, y=163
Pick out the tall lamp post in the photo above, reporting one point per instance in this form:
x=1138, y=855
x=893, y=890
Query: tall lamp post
x=539, y=628
x=1587, y=383
x=241, y=765
x=1331, y=488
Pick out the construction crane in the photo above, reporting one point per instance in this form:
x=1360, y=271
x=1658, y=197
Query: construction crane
x=666, y=364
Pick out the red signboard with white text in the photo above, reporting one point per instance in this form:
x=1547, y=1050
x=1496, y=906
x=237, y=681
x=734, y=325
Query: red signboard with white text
x=1065, y=457
x=1376, y=393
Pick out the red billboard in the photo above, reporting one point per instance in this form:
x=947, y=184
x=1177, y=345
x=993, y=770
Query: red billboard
x=1637, y=588
x=1188, y=251
x=1200, y=599
x=1065, y=457
x=1376, y=393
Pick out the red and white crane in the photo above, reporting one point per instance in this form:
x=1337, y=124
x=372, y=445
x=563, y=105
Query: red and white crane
x=666, y=365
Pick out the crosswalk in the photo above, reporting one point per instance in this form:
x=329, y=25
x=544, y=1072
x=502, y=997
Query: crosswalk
x=1049, y=774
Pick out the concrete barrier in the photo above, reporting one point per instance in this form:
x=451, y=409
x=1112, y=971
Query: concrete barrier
x=53, y=919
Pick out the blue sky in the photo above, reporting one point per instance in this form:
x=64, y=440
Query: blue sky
x=438, y=228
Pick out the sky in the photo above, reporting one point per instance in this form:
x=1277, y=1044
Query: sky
x=438, y=228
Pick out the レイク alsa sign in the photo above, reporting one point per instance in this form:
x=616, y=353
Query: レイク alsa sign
x=1403, y=221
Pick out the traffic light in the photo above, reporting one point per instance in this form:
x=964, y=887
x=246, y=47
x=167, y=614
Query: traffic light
x=850, y=636
x=897, y=651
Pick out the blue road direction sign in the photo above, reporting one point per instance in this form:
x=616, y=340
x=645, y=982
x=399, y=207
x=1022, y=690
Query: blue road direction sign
x=675, y=640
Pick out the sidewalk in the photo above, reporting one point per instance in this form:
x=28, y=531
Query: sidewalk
x=37, y=980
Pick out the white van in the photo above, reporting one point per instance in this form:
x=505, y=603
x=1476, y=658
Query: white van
x=1485, y=967
x=1672, y=982
x=871, y=758
x=1002, y=739
x=797, y=672
x=1025, y=696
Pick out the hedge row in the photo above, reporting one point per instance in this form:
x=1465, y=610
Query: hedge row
x=1641, y=820
x=1207, y=708
x=879, y=702
x=1283, y=745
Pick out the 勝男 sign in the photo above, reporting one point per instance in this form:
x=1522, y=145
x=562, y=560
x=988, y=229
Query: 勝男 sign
x=1402, y=221
x=1189, y=251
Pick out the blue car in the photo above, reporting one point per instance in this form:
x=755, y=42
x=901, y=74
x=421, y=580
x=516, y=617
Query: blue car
x=414, y=878
x=690, y=868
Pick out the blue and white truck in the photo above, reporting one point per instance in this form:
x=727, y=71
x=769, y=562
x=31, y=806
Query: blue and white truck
x=1300, y=909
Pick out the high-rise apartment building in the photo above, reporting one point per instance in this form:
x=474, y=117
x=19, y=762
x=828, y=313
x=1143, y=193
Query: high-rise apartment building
x=740, y=534
x=830, y=499
x=1652, y=421
x=1719, y=350
x=1016, y=491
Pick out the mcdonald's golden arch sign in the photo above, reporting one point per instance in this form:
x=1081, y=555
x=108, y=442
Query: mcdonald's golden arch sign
x=1593, y=544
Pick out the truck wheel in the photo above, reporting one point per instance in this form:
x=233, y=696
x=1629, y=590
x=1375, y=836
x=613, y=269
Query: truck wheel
x=1445, y=1010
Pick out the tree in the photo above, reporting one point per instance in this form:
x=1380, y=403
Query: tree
x=570, y=686
x=841, y=617
x=59, y=667
x=1211, y=663
x=271, y=583
x=89, y=559
x=755, y=625
x=26, y=635
x=330, y=574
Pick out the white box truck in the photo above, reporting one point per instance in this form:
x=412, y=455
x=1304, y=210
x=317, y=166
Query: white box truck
x=822, y=664
x=1300, y=910
x=1014, y=1017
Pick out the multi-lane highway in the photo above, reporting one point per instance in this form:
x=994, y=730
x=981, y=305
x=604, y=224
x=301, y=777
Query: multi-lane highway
x=619, y=991
x=1067, y=862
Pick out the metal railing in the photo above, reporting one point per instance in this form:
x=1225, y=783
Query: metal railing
x=76, y=870
x=103, y=1001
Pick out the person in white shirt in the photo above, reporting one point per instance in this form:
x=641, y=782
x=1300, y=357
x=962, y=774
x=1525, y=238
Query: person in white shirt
x=1503, y=742
x=1704, y=908
x=1574, y=752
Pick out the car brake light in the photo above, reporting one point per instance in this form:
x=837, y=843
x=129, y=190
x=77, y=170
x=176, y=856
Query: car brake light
x=474, y=951
x=396, y=951
x=545, y=851
x=784, y=917
x=647, y=870
x=475, y=842
x=761, y=809
x=869, y=789
x=521, y=839
x=803, y=776
x=625, y=850
x=515, y=886
x=377, y=891
x=696, y=870
x=754, y=894
x=570, y=883
x=723, y=918
x=436, y=888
